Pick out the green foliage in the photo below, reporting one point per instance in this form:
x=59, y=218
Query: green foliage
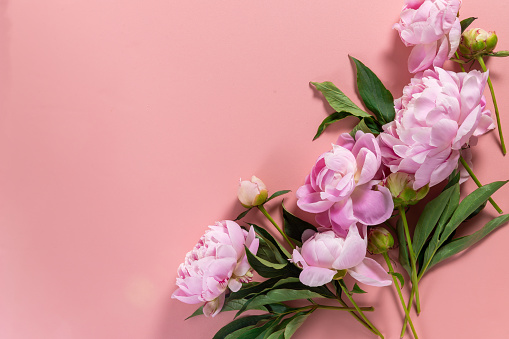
x=277, y=194
x=273, y=244
x=374, y=94
x=357, y=289
x=338, y=100
x=294, y=226
x=334, y=117
x=465, y=23
x=442, y=216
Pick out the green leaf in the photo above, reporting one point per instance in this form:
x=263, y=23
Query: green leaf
x=429, y=218
x=267, y=251
x=477, y=211
x=367, y=125
x=265, y=268
x=453, y=179
x=374, y=94
x=242, y=215
x=240, y=323
x=357, y=289
x=239, y=333
x=338, y=100
x=262, y=331
x=280, y=334
x=294, y=226
x=465, y=23
x=433, y=244
x=277, y=194
x=403, y=253
x=399, y=276
x=460, y=244
x=468, y=206
x=277, y=296
x=268, y=237
x=231, y=305
x=334, y=117
x=294, y=324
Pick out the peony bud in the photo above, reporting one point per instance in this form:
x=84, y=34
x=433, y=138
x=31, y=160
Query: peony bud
x=252, y=193
x=401, y=187
x=476, y=42
x=379, y=240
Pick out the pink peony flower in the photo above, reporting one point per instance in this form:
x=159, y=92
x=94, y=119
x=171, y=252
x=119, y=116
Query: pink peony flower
x=252, y=193
x=216, y=263
x=433, y=28
x=341, y=188
x=325, y=255
x=440, y=113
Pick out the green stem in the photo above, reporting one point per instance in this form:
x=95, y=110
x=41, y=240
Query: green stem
x=398, y=289
x=502, y=143
x=349, y=309
x=469, y=170
x=458, y=57
x=413, y=260
x=265, y=213
x=347, y=293
x=409, y=308
x=355, y=315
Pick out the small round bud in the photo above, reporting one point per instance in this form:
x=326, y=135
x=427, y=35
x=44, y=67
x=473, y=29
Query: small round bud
x=252, y=193
x=475, y=42
x=379, y=240
x=401, y=187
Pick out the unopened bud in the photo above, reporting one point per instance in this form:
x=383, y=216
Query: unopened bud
x=401, y=187
x=476, y=42
x=252, y=193
x=379, y=240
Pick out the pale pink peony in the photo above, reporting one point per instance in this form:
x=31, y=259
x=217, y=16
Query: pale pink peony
x=433, y=28
x=217, y=262
x=440, y=113
x=325, y=255
x=252, y=193
x=342, y=186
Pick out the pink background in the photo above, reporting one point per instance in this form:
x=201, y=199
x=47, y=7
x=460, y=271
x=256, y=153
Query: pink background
x=125, y=126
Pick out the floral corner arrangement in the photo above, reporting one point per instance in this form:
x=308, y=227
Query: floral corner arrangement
x=360, y=192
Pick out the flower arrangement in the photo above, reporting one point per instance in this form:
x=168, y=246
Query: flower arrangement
x=360, y=192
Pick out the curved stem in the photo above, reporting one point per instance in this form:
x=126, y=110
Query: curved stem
x=398, y=289
x=469, y=170
x=461, y=65
x=415, y=284
x=265, y=213
x=499, y=125
x=347, y=293
x=409, y=308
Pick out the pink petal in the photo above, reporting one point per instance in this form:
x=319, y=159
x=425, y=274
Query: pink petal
x=316, y=276
x=372, y=207
x=353, y=252
x=213, y=307
x=421, y=57
x=313, y=203
x=371, y=273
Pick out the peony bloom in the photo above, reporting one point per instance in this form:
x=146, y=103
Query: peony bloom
x=342, y=187
x=433, y=28
x=216, y=263
x=440, y=113
x=252, y=193
x=326, y=255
